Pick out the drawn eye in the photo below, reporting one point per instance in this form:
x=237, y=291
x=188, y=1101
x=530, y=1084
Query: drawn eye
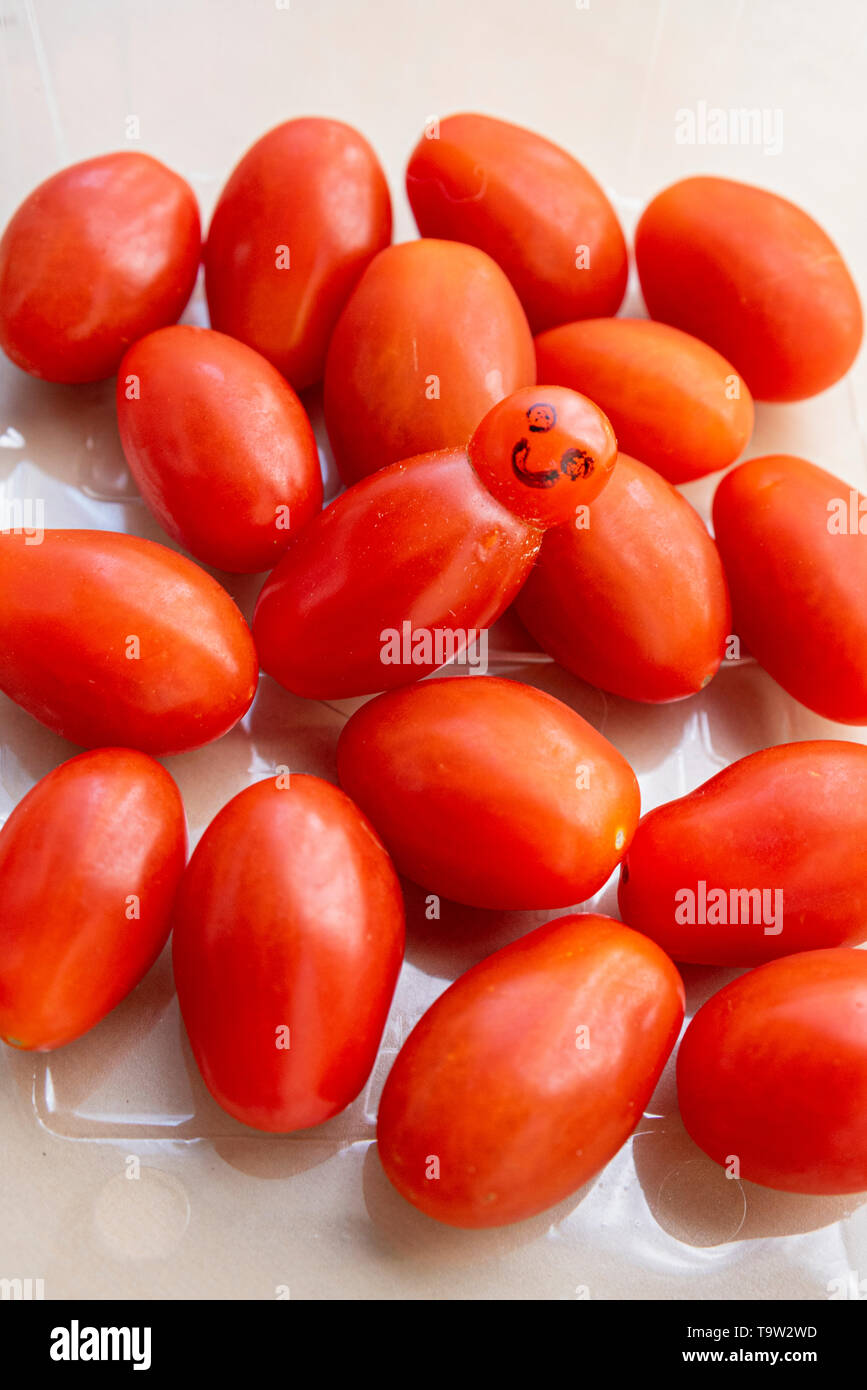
x=575, y=463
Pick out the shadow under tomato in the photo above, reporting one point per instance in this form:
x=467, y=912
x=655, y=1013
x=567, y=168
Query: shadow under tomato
x=446, y=946
x=691, y=1198
x=402, y=1231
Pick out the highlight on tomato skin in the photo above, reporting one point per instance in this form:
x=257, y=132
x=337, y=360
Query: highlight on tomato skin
x=287, y=944
x=544, y=452
x=90, y=860
x=673, y=401
x=529, y=1073
x=762, y=860
x=631, y=597
x=772, y=1074
x=530, y=205
x=98, y=255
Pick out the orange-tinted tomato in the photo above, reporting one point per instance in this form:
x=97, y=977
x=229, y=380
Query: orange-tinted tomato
x=97, y=256
x=531, y=206
x=764, y=859
x=754, y=276
x=793, y=541
x=632, y=596
x=379, y=589
x=529, y=1073
x=288, y=939
x=432, y=337
x=220, y=446
x=544, y=452
x=89, y=862
x=772, y=1072
x=109, y=639
x=673, y=401
x=490, y=792
x=294, y=227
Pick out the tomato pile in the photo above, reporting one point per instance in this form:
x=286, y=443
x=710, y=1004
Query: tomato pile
x=505, y=439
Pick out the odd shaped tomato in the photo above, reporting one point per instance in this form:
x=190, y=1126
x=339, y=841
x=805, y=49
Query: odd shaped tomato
x=432, y=337
x=772, y=1074
x=490, y=792
x=299, y=219
x=220, y=446
x=110, y=639
x=409, y=567
x=530, y=205
x=288, y=939
x=529, y=1073
x=673, y=401
x=632, y=596
x=97, y=256
x=89, y=861
x=762, y=860
x=793, y=541
x=754, y=276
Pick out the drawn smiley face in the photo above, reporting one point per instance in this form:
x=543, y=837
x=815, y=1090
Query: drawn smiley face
x=541, y=417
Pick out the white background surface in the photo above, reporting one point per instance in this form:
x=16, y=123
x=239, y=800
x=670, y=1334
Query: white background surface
x=219, y=1211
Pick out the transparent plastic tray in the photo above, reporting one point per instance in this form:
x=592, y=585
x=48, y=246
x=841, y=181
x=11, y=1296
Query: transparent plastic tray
x=119, y=1176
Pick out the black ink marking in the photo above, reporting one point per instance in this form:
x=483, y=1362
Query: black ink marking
x=576, y=464
x=520, y=454
x=542, y=417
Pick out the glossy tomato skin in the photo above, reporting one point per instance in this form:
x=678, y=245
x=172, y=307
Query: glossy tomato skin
x=421, y=542
x=796, y=563
x=531, y=206
x=773, y=1070
x=789, y=821
x=490, y=792
x=544, y=452
x=289, y=916
x=432, y=337
x=110, y=639
x=98, y=255
x=299, y=219
x=220, y=446
x=90, y=861
x=635, y=600
x=529, y=1073
x=670, y=397
x=754, y=276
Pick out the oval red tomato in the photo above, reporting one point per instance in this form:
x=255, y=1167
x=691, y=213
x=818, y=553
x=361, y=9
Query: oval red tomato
x=97, y=256
x=220, y=446
x=299, y=219
x=89, y=861
x=380, y=588
x=529, y=1073
x=490, y=792
x=632, y=596
x=762, y=860
x=110, y=639
x=772, y=1074
x=793, y=541
x=754, y=276
x=530, y=205
x=672, y=400
x=432, y=337
x=288, y=939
